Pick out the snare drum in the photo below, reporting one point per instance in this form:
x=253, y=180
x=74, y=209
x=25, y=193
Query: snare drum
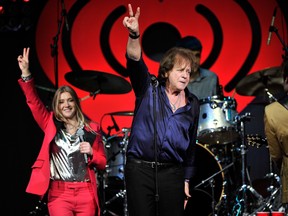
x=217, y=120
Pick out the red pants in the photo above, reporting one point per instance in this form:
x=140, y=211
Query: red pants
x=71, y=199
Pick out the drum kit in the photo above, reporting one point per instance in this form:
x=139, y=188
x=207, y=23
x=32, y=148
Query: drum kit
x=112, y=180
x=221, y=186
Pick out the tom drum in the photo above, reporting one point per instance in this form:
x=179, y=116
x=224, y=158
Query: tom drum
x=115, y=152
x=217, y=120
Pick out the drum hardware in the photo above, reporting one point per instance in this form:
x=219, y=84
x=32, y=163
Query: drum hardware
x=200, y=202
x=272, y=176
x=225, y=154
x=241, y=206
x=121, y=194
x=116, y=159
x=122, y=113
x=40, y=209
x=124, y=144
x=115, y=125
x=91, y=94
x=271, y=203
x=113, y=179
x=256, y=140
x=112, y=137
x=111, y=213
x=271, y=97
x=212, y=186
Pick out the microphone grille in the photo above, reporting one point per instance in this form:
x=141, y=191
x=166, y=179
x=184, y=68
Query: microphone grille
x=80, y=132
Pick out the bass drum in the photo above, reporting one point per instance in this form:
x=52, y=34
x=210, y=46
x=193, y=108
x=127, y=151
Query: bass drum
x=201, y=199
x=217, y=120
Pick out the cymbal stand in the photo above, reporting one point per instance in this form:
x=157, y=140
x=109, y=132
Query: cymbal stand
x=90, y=95
x=244, y=188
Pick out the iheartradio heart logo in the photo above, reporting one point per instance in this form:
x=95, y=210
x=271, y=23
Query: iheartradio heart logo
x=233, y=35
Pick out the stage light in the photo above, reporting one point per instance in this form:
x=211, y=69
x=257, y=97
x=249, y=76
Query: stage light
x=15, y=15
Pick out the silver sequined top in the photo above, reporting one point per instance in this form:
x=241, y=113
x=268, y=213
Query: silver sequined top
x=67, y=163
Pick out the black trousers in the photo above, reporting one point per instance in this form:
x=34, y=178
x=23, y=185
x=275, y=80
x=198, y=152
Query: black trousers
x=140, y=187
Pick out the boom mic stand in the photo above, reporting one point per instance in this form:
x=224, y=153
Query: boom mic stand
x=285, y=48
x=54, y=46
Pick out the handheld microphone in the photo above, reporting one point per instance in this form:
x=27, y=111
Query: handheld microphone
x=115, y=124
x=271, y=26
x=154, y=81
x=80, y=133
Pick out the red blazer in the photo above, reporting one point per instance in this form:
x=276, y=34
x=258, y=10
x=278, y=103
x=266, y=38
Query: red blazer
x=40, y=177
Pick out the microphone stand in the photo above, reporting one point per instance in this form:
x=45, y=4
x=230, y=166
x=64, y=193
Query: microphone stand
x=54, y=48
x=155, y=84
x=285, y=48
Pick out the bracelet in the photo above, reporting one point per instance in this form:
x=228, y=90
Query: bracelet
x=134, y=36
x=186, y=180
x=27, y=78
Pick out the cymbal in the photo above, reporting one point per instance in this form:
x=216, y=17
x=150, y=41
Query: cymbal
x=122, y=113
x=257, y=83
x=98, y=82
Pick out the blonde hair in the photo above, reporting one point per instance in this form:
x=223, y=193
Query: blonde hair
x=80, y=118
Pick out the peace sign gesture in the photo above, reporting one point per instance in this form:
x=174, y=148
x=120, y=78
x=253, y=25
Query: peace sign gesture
x=131, y=21
x=23, y=62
